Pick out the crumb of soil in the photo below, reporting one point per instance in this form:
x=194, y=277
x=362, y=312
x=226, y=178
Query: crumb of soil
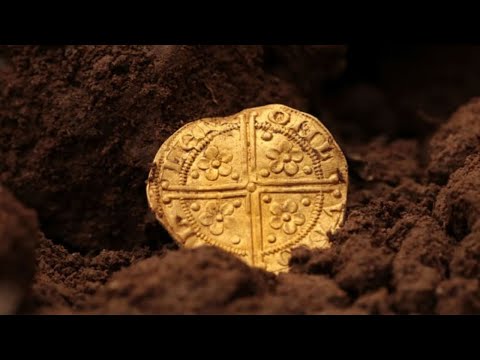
x=181, y=282
x=64, y=280
x=454, y=142
x=458, y=204
x=18, y=238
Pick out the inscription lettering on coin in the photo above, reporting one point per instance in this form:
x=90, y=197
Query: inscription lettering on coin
x=256, y=184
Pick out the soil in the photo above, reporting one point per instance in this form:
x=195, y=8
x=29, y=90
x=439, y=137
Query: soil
x=18, y=238
x=81, y=124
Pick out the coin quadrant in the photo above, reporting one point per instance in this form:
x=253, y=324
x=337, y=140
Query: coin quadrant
x=256, y=184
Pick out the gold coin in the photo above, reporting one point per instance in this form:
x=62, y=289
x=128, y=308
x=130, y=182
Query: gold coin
x=256, y=184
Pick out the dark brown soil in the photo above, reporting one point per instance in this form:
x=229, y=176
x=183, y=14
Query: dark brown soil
x=18, y=238
x=79, y=126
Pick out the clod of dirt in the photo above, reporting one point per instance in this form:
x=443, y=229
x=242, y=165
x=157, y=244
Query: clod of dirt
x=295, y=294
x=458, y=296
x=64, y=280
x=387, y=162
x=360, y=266
x=420, y=264
x=454, y=142
x=377, y=302
x=18, y=238
x=202, y=280
x=466, y=258
x=458, y=203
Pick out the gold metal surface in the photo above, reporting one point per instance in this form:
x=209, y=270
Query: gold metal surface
x=256, y=184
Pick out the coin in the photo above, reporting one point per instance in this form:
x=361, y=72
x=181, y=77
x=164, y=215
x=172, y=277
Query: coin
x=256, y=184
